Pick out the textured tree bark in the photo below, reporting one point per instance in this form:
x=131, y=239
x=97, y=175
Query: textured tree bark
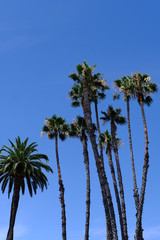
x=86, y=162
x=108, y=151
x=136, y=194
x=14, y=207
x=99, y=132
x=61, y=190
x=135, y=189
x=107, y=200
x=145, y=168
x=120, y=181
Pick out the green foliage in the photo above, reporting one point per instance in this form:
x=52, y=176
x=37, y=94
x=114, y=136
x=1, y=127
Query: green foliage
x=55, y=126
x=132, y=87
x=79, y=128
x=125, y=85
x=20, y=161
x=144, y=87
x=106, y=139
x=113, y=115
x=97, y=85
x=116, y=96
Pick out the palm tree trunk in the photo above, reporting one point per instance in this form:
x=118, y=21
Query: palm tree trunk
x=136, y=194
x=108, y=151
x=119, y=175
x=98, y=128
x=14, y=207
x=145, y=170
x=86, y=162
x=107, y=200
x=61, y=190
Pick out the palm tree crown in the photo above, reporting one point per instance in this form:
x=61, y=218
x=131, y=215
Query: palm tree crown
x=55, y=126
x=144, y=88
x=106, y=140
x=21, y=162
x=113, y=115
x=97, y=85
x=125, y=85
x=78, y=128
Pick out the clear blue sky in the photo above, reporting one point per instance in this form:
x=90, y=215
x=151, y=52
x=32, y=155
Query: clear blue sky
x=40, y=44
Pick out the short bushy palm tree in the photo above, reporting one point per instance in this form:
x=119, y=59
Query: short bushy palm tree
x=114, y=117
x=20, y=163
x=56, y=127
x=78, y=129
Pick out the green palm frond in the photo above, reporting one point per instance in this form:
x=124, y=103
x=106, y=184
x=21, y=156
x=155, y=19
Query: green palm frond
x=74, y=77
x=55, y=125
x=22, y=162
x=78, y=128
x=145, y=87
x=76, y=94
x=126, y=86
x=96, y=83
x=106, y=138
x=116, y=96
x=113, y=115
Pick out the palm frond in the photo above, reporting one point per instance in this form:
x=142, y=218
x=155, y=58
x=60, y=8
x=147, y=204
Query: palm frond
x=23, y=163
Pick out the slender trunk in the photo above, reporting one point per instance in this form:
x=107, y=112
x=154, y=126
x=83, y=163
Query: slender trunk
x=119, y=175
x=98, y=128
x=107, y=200
x=14, y=207
x=145, y=170
x=135, y=190
x=61, y=190
x=86, y=162
x=136, y=194
x=108, y=151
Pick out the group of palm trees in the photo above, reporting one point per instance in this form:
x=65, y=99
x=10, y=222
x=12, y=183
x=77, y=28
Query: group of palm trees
x=20, y=164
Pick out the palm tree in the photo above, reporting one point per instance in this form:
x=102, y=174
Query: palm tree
x=78, y=129
x=127, y=86
x=115, y=118
x=19, y=164
x=97, y=87
x=106, y=140
x=84, y=76
x=55, y=127
x=143, y=89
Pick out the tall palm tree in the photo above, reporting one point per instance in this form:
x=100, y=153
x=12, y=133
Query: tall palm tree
x=106, y=140
x=85, y=76
x=97, y=88
x=21, y=163
x=114, y=117
x=55, y=127
x=78, y=129
x=127, y=86
x=143, y=89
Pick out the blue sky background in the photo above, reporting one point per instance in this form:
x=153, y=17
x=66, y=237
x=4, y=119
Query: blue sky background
x=40, y=45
